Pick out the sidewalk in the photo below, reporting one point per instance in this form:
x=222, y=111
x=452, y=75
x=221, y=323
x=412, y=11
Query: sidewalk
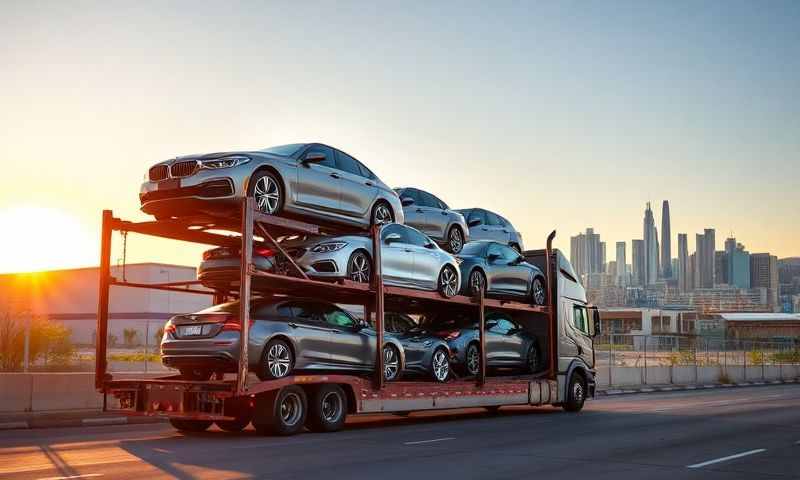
x=70, y=418
x=677, y=388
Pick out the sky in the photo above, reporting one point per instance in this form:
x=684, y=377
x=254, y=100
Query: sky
x=558, y=115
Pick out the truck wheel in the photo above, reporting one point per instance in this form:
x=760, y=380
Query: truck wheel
x=472, y=365
x=576, y=393
x=282, y=412
x=192, y=426
x=327, y=409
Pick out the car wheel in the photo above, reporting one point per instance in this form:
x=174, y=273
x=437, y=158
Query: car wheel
x=197, y=374
x=576, y=393
x=473, y=359
x=278, y=360
x=533, y=363
x=477, y=282
x=538, y=293
x=327, y=409
x=448, y=282
x=193, y=426
x=359, y=267
x=440, y=365
x=267, y=191
x=281, y=412
x=382, y=214
x=455, y=240
x=391, y=363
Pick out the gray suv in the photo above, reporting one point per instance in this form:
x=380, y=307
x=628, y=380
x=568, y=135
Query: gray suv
x=486, y=225
x=428, y=214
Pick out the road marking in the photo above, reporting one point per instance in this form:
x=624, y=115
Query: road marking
x=725, y=459
x=88, y=475
x=429, y=441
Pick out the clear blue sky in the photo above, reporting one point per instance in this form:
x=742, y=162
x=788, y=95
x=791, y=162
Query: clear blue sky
x=557, y=114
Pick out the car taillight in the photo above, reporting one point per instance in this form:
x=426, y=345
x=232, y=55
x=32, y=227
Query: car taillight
x=169, y=327
x=449, y=335
x=234, y=326
x=263, y=252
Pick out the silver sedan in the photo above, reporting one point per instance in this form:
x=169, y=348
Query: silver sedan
x=426, y=212
x=306, y=179
x=408, y=259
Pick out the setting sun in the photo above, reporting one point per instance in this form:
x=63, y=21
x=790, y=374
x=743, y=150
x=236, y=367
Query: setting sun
x=43, y=238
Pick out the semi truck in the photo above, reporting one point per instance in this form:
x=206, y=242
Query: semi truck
x=565, y=327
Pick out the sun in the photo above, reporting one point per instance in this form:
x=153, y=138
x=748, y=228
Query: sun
x=43, y=238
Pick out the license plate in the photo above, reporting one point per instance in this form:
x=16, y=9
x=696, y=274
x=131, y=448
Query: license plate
x=191, y=330
x=170, y=184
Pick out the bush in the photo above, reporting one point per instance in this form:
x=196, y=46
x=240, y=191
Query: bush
x=48, y=341
x=788, y=356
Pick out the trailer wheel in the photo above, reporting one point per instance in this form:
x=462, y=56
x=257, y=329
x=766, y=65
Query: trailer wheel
x=327, y=409
x=191, y=426
x=282, y=412
x=576, y=393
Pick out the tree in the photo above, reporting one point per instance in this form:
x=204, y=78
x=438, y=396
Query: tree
x=48, y=340
x=129, y=336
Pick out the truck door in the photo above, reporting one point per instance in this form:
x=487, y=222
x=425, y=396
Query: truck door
x=580, y=332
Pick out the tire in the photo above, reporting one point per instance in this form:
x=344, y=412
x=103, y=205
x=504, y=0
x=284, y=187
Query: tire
x=538, y=291
x=359, y=267
x=190, y=426
x=327, y=409
x=281, y=412
x=381, y=214
x=472, y=359
x=477, y=282
x=576, y=393
x=392, y=364
x=277, y=361
x=455, y=240
x=533, y=360
x=233, y=426
x=197, y=374
x=447, y=283
x=440, y=365
x=266, y=189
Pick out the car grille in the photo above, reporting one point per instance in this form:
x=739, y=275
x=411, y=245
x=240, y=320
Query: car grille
x=183, y=169
x=157, y=173
x=213, y=189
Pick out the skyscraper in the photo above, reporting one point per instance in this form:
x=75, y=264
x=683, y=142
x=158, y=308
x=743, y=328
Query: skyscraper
x=738, y=264
x=683, y=263
x=587, y=253
x=704, y=262
x=622, y=275
x=650, y=247
x=577, y=254
x=666, y=241
x=638, y=262
x=764, y=274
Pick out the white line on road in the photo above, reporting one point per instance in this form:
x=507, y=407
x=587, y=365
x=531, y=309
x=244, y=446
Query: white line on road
x=725, y=459
x=429, y=441
x=88, y=475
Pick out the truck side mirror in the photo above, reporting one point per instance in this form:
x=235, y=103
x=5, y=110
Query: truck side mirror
x=595, y=322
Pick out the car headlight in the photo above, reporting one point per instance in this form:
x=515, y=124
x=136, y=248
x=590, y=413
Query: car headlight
x=328, y=247
x=224, y=162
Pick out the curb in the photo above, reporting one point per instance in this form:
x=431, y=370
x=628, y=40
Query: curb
x=34, y=422
x=680, y=388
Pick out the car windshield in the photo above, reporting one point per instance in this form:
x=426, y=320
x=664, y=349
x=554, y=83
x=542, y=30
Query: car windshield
x=473, y=248
x=284, y=150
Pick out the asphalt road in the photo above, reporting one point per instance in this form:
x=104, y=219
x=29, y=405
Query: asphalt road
x=741, y=433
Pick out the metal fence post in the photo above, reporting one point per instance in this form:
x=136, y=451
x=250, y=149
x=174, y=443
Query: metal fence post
x=645, y=360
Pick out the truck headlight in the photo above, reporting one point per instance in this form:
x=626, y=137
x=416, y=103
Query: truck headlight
x=224, y=162
x=328, y=247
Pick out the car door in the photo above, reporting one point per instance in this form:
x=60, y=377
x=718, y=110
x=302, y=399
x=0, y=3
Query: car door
x=435, y=216
x=318, y=181
x=497, y=269
x=414, y=213
x=427, y=260
x=397, y=258
x=518, y=272
x=309, y=332
x=356, y=192
x=415, y=345
x=352, y=346
x=496, y=228
x=478, y=228
x=504, y=338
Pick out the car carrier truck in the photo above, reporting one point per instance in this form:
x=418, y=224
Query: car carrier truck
x=565, y=327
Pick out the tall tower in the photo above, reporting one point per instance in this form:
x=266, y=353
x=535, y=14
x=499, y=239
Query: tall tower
x=650, y=247
x=666, y=241
x=683, y=263
x=638, y=260
x=622, y=277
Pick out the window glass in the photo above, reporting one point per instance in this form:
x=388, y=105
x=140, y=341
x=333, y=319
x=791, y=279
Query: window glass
x=327, y=151
x=508, y=253
x=439, y=203
x=416, y=238
x=304, y=311
x=495, y=249
x=397, y=323
x=428, y=200
x=285, y=150
x=492, y=219
x=347, y=163
x=339, y=318
x=579, y=319
x=473, y=248
x=503, y=221
x=285, y=310
x=410, y=193
x=395, y=228
x=477, y=214
x=366, y=172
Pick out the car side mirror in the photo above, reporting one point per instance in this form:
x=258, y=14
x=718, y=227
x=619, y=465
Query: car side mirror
x=392, y=238
x=516, y=261
x=314, y=158
x=430, y=245
x=407, y=201
x=492, y=257
x=474, y=222
x=595, y=322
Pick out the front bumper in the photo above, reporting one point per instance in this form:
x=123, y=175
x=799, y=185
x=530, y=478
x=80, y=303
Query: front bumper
x=205, y=191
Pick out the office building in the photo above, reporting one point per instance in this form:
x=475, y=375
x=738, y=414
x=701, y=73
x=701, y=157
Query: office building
x=666, y=242
x=622, y=277
x=650, y=246
x=721, y=267
x=638, y=261
x=738, y=265
x=764, y=274
x=704, y=263
x=587, y=253
x=683, y=264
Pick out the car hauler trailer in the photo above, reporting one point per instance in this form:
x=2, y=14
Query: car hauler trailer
x=322, y=401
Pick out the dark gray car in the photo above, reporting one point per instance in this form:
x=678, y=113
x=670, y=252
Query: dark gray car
x=486, y=225
x=424, y=353
x=508, y=344
x=285, y=336
x=308, y=179
x=500, y=271
x=430, y=215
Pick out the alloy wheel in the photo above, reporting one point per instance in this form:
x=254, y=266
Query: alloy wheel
x=448, y=282
x=331, y=407
x=441, y=365
x=267, y=194
x=360, y=268
x=383, y=215
x=279, y=360
x=473, y=360
x=538, y=291
x=455, y=241
x=476, y=282
x=391, y=363
x=533, y=359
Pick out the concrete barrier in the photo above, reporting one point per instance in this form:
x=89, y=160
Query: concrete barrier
x=708, y=375
x=15, y=392
x=658, y=375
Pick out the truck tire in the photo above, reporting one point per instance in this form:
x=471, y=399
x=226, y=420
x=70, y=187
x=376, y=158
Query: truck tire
x=576, y=393
x=327, y=409
x=281, y=412
x=190, y=426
